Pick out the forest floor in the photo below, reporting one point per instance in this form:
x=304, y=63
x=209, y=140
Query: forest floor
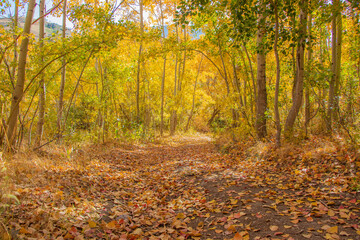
x=186, y=188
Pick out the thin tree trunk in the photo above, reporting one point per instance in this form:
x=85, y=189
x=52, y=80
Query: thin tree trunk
x=234, y=114
x=163, y=75
x=299, y=88
x=180, y=80
x=19, y=88
x=162, y=97
x=63, y=79
x=177, y=76
x=307, y=87
x=194, y=94
x=277, y=84
x=16, y=21
x=76, y=87
x=338, y=57
x=293, y=60
x=40, y=124
x=183, y=64
x=139, y=63
x=251, y=70
x=224, y=68
x=237, y=84
x=246, y=79
x=213, y=115
x=332, y=91
x=322, y=92
x=261, y=100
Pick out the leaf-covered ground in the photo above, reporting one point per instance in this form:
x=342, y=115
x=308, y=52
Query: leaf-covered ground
x=190, y=188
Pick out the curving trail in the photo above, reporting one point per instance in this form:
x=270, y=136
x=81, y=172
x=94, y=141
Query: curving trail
x=182, y=188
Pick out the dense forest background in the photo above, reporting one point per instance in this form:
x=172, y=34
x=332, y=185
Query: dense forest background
x=136, y=70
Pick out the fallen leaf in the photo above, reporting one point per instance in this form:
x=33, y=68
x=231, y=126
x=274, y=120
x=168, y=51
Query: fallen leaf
x=180, y=216
x=332, y=229
x=238, y=237
x=92, y=224
x=138, y=231
x=111, y=225
x=331, y=213
x=308, y=236
x=274, y=228
x=24, y=231
x=238, y=215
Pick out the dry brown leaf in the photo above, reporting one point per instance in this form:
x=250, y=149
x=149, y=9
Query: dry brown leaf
x=274, y=228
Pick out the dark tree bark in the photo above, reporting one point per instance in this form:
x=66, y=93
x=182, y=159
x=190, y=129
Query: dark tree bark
x=277, y=84
x=299, y=87
x=261, y=100
x=307, y=87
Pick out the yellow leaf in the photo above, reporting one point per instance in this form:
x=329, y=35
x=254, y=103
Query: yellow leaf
x=111, y=225
x=180, y=216
x=92, y=224
x=332, y=229
x=331, y=213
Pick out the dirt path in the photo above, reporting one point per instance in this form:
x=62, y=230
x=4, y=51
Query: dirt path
x=181, y=189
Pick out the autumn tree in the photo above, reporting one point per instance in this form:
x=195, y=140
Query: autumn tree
x=20, y=82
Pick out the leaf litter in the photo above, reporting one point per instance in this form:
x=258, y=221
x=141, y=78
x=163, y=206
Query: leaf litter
x=185, y=188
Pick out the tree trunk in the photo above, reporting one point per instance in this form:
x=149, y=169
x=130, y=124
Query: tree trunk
x=299, y=88
x=40, y=124
x=76, y=87
x=251, y=70
x=338, y=57
x=16, y=21
x=162, y=98
x=63, y=79
x=277, y=84
x=238, y=88
x=163, y=75
x=307, y=87
x=139, y=63
x=183, y=66
x=177, y=75
x=213, y=115
x=332, y=90
x=20, y=82
x=194, y=94
x=261, y=100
